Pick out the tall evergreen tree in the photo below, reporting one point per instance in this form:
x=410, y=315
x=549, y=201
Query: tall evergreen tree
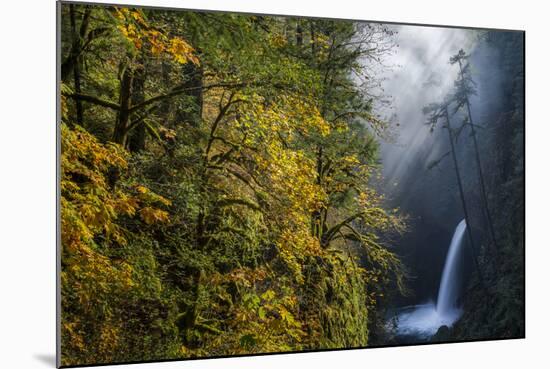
x=464, y=88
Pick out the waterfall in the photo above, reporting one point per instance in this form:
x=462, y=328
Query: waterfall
x=450, y=279
x=424, y=320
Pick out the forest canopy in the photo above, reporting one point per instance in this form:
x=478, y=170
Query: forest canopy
x=216, y=193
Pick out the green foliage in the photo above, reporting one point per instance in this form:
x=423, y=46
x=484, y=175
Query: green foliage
x=222, y=205
x=108, y=275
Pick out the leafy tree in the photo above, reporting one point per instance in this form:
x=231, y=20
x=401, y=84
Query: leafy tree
x=216, y=169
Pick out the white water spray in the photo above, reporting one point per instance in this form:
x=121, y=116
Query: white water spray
x=424, y=320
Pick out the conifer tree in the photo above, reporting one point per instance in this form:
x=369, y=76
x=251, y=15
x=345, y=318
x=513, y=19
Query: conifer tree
x=464, y=88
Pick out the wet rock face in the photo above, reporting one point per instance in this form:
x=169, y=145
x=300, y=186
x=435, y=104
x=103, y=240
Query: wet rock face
x=443, y=334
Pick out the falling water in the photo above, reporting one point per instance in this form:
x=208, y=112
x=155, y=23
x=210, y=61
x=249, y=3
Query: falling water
x=450, y=280
x=423, y=320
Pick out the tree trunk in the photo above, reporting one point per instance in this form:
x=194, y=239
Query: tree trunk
x=316, y=216
x=136, y=140
x=69, y=63
x=479, y=168
x=76, y=46
x=120, y=134
x=313, y=43
x=462, y=197
x=299, y=35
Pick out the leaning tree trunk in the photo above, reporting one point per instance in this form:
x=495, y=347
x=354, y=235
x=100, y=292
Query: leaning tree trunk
x=463, y=198
x=479, y=168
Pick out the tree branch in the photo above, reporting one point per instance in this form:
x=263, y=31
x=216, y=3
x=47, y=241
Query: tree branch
x=228, y=202
x=180, y=90
x=95, y=100
x=329, y=235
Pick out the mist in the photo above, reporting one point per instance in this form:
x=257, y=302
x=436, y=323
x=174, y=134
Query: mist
x=420, y=74
x=418, y=175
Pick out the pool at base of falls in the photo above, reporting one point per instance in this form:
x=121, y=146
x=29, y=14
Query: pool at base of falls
x=422, y=321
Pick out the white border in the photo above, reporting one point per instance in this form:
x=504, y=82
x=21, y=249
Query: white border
x=27, y=186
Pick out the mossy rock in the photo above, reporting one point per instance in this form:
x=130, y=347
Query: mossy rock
x=443, y=334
